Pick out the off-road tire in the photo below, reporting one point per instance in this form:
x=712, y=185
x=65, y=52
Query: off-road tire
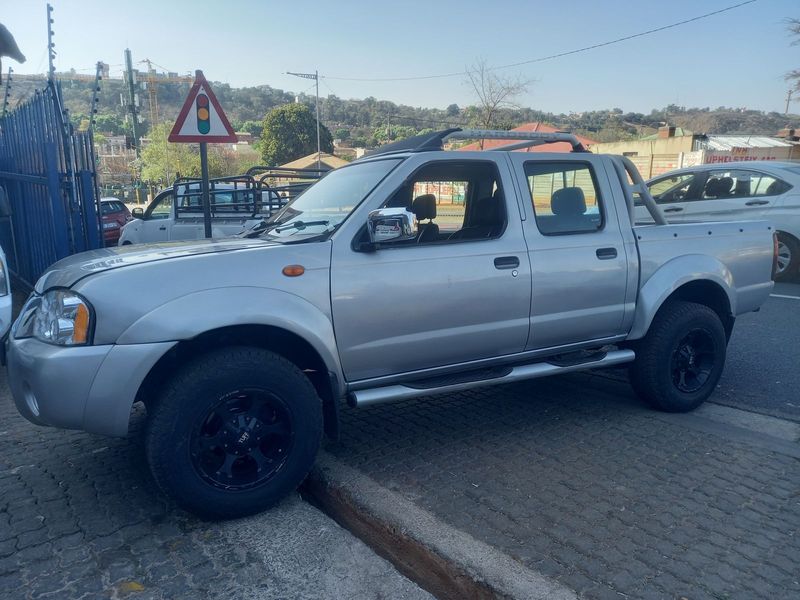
x=658, y=355
x=194, y=391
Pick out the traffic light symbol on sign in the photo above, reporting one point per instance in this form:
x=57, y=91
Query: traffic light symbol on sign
x=203, y=115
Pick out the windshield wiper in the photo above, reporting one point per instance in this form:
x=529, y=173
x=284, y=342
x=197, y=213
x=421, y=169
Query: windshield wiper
x=257, y=229
x=299, y=225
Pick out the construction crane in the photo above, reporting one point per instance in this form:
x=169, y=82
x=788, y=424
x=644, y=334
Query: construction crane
x=152, y=79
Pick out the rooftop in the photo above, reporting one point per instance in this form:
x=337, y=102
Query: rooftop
x=724, y=143
x=535, y=127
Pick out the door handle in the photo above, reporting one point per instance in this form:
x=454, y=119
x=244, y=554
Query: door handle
x=756, y=203
x=673, y=209
x=506, y=262
x=606, y=253
x=162, y=228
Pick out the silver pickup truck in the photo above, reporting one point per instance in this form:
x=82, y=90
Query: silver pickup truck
x=411, y=272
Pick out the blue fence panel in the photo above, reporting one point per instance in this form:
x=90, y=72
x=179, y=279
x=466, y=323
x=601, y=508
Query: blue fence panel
x=48, y=172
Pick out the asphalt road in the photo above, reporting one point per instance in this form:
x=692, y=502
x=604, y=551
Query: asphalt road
x=762, y=373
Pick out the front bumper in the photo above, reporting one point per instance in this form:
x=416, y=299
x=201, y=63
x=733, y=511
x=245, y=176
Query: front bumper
x=91, y=388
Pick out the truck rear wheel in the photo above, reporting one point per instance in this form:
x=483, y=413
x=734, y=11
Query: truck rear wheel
x=233, y=432
x=680, y=360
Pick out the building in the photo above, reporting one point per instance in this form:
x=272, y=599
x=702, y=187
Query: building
x=674, y=148
x=328, y=162
x=530, y=127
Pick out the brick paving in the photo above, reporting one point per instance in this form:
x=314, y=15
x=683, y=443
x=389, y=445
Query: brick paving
x=80, y=517
x=575, y=479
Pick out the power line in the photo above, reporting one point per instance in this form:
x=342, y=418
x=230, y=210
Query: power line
x=553, y=56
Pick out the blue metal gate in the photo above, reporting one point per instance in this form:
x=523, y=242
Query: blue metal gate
x=48, y=173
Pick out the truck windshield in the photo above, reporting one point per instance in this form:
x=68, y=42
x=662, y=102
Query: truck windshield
x=326, y=204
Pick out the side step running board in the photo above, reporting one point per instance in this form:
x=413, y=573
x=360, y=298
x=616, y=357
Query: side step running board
x=518, y=373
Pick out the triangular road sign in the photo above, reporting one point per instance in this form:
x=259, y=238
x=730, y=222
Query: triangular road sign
x=201, y=119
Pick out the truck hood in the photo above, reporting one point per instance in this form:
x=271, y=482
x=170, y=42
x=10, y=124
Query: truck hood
x=72, y=269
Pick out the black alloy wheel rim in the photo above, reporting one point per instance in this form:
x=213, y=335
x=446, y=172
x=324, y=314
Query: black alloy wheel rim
x=692, y=361
x=243, y=440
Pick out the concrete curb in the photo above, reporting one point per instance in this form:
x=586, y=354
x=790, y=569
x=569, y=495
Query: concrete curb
x=447, y=562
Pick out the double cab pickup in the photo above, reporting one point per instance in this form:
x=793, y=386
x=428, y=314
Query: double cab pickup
x=411, y=272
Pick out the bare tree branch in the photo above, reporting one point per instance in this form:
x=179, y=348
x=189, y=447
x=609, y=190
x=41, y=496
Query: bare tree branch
x=493, y=91
x=793, y=25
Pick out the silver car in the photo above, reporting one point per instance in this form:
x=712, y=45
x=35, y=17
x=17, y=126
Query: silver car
x=733, y=191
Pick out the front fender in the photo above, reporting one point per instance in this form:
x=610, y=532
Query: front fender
x=672, y=275
x=188, y=316
x=130, y=232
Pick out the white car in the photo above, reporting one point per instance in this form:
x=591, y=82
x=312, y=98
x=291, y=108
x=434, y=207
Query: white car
x=732, y=192
x=233, y=210
x=5, y=296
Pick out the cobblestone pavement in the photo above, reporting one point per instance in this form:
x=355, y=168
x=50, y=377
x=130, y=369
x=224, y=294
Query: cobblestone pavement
x=80, y=518
x=575, y=479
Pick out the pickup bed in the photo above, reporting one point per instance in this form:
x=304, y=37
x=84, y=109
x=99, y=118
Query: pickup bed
x=410, y=272
x=237, y=203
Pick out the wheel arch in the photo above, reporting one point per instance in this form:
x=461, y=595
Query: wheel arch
x=695, y=278
x=281, y=341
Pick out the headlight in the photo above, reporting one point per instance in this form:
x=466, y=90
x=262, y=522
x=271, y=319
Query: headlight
x=111, y=225
x=58, y=317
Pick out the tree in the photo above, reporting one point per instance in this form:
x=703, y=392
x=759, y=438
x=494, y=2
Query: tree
x=162, y=160
x=290, y=132
x=793, y=25
x=494, y=92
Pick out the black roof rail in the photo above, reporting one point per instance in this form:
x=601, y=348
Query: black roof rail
x=519, y=139
x=418, y=143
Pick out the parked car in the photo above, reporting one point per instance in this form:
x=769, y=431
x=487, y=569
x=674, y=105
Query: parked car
x=5, y=296
x=381, y=282
x=736, y=190
x=115, y=215
x=237, y=204
x=5, y=277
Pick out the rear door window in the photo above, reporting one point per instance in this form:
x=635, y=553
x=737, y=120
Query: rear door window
x=112, y=207
x=742, y=183
x=565, y=197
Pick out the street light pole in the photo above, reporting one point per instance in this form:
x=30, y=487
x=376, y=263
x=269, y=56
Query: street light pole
x=315, y=77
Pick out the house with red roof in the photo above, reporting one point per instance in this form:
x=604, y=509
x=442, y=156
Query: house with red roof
x=528, y=127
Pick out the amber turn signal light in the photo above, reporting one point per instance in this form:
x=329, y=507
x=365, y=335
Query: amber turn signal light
x=293, y=270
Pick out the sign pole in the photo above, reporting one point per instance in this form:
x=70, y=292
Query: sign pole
x=204, y=185
x=202, y=121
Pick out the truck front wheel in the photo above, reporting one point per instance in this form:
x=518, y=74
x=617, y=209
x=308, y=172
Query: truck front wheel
x=233, y=432
x=680, y=360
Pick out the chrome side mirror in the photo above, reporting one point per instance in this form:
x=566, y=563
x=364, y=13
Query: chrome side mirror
x=138, y=212
x=391, y=225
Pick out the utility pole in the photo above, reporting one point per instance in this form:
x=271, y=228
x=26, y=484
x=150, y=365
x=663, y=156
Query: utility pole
x=788, y=100
x=134, y=112
x=51, y=53
x=95, y=94
x=315, y=77
x=130, y=75
x=8, y=90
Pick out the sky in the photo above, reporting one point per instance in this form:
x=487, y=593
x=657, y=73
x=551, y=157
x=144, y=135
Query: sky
x=736, y=58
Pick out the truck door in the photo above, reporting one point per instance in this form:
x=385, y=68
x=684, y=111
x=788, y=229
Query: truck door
x=157, y=219
x=459, y=292
x=578, y=258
